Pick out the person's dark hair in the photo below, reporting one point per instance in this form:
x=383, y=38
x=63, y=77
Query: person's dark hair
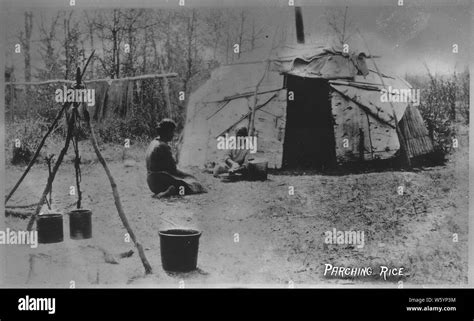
x=242, y=132
x=166, y=128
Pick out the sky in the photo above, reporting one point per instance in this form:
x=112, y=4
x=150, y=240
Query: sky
x=405, y=37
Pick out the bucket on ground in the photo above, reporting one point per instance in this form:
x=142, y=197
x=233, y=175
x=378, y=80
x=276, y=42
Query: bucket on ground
x=179, y=249
x=50, y=228
x=257, y=169
x=80, y=224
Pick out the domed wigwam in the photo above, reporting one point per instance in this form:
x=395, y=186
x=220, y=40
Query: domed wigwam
x=315, y=106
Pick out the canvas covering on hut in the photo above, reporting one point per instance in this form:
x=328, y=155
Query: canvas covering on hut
x=225, y=102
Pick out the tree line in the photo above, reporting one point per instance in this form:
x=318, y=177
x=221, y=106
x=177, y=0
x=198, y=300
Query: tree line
x=132, y=42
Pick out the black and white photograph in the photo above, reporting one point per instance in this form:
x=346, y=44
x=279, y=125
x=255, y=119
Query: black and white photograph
x=223, y=144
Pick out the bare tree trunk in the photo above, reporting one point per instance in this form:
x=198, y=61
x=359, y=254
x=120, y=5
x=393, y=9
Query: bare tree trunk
x=26, y=44
x=130, y=53
x=91, y=38
x=227, y=46
x=115, y=52
x=102, y=40
x=12, y=103
x=253, y=36
x=189, y=60
x=67, y=31
x=83, y=51
x=144, y=48
x=168, y=42
x=166, y=90
x=66, y=49
x=241, y=31
x=156, y=63
x=26, y=41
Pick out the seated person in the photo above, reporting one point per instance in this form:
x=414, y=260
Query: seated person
x=235, y=160
x=163, y=177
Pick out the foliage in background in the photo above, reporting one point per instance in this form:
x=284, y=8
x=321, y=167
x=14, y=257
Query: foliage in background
x=444, y=103
x=191, y=42
x=128, y=42
x=463, y=95
x=29, y=133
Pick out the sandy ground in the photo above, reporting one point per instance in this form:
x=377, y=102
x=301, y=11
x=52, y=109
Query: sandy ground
x=280, y=236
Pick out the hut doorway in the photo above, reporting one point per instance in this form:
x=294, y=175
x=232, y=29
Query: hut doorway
x=309, y=136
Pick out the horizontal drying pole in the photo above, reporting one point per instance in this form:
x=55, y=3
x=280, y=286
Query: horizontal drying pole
x=54, y=81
